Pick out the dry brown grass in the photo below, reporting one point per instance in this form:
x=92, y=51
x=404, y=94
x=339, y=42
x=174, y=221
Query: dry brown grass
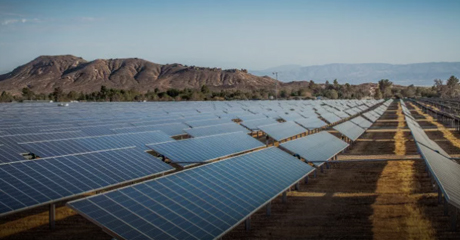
x=400, y=141
x=396, y=213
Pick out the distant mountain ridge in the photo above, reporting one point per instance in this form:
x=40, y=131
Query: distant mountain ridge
x=71, y=73
x=421, y=74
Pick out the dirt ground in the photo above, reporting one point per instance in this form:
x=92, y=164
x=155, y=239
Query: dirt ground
x=373, y=200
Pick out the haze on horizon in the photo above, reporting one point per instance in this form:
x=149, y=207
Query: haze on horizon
x=234, y=34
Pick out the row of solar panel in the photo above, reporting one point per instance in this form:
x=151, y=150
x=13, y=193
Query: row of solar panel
x=445, y=171
x=32, y=183
x=200, y=203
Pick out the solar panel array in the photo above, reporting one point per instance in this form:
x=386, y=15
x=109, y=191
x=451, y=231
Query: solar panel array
x=355, y=127
x=317, y=148
x=200, y=203
x=33, y=183
x=88, y=137
x=445, y=171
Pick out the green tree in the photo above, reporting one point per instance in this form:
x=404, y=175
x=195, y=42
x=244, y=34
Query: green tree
x=378, y=94
x=452, y=87
x=336, y=84
x=173, y=92
x=204, y=89
x=28, y=94
x=57, y=94
x=385, y=87
x=333, y=94
x=6, y=97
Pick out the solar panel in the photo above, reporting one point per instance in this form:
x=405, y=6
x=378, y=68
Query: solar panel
x=254, y=124
x=215, y=129
x=90, y=144
x=350, y=130
x=10, y=154
x=208, y=122
x=317, y=148
x=281, y=131
x=248, y=117
x=200, y=203
x=311, y=123
x=171, y=129
x=290, y=116
x=42, y=136
x=330, y=117
x=341, y=114
x=372, y=116
x=32, y=183
x=208, y=148
x=360, y=121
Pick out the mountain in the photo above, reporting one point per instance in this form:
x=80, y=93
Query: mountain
x=71, y=73
x=420, y=74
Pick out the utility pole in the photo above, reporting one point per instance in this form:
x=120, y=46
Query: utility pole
x=276, y=85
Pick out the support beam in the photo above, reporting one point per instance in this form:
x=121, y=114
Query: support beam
x=52, y=216
x=306, y=179
x=269, y=208
x=284, y=198
x=439, y=195
x=322, y=170
x=453, y=219
x=297, y=186
x=248, y=224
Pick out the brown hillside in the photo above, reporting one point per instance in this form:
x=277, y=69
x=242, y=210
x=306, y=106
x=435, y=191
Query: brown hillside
x=71, y=73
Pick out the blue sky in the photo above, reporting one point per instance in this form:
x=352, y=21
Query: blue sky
x=232, y=34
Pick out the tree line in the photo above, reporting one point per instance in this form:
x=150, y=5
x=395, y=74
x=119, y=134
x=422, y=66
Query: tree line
x=384, y=89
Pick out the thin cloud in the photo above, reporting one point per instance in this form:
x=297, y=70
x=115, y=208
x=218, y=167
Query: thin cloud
x=20, y=20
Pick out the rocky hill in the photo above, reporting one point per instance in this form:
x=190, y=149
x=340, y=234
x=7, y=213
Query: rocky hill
x=71, y=73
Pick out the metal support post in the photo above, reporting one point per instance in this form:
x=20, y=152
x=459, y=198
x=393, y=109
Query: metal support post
x=306, y=179
x=269, y=208
x=52, y=216
x=453, y=219
x=297, y=186
x=446, y=207
x=439, y=195
x=284, y=198
x=248, y=224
